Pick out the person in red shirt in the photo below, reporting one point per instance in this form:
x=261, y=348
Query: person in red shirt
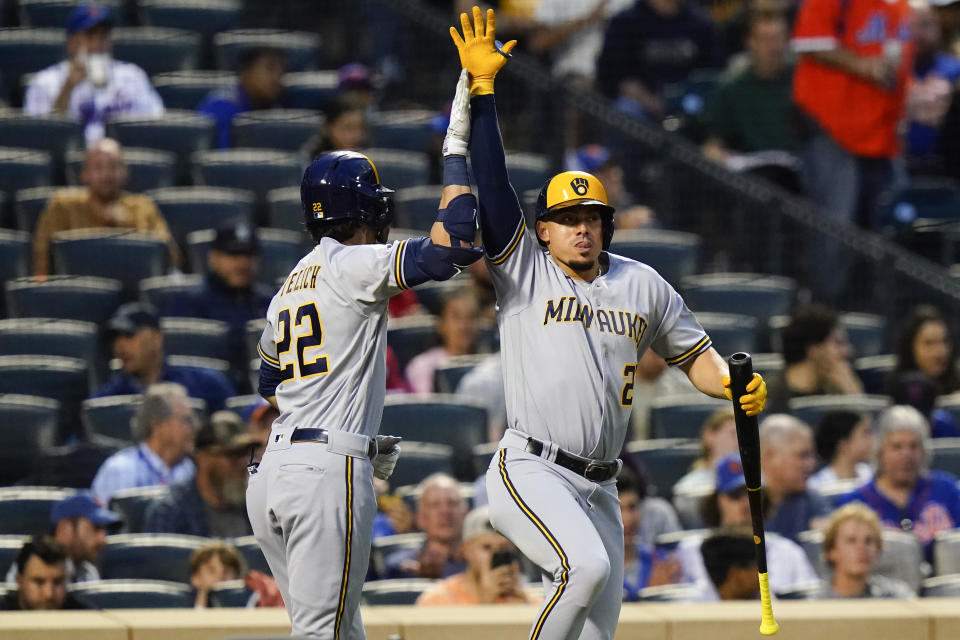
x=850, y=83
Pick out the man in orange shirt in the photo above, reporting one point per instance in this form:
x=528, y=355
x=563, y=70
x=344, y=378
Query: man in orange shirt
x=850, y=82
x=493, y=569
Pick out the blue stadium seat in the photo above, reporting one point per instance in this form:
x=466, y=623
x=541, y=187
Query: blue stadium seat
x=196, y=337
x=527, y=170
x=416, y=207
x=252, y=555
x=132, y=505
x=75, y=465
x=23, y=168
x=10, y=546
x=258, y=170
x=665, y=460
x=26, y=510
x=446, y=377
x=197, y=362
x=68, y=297
x=411, y=336
x=254, y=330
x=55, y=134
x=873, y=371
x=150, y=556
x=682, y=415
x=384, y=546
x=946, y=455
x=441, y=419
x=49, y=337
x=187, y=89
x=146, y=168
x=157, y=50
x=24, y=50
x=419, y=460
x=280, y=251
x=285, y=210
x=16, y=254
x=867, y=332
x=410, y=130
x=110, y=416
x=399, y=169
x=730, y=332
x=240, y=404
x=187, y=209
x=230, y=593
x=29, y=431
x=207, y=17
x=182, y=132
x=110, y=253
x=394, y=592
x=286, y=129
x=482, y=453
x=674, y=254
x=63, y=379
x=811, y=409
x=160, y=290
x=301, y=50
x=310, y=89
x=134, y=594
x=54, y=13
x=28, y=206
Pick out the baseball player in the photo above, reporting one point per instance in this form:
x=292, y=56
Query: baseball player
x=574, y=320
x=311, y=499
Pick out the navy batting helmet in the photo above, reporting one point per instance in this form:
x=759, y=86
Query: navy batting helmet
x=344, y=185
x=572, y=188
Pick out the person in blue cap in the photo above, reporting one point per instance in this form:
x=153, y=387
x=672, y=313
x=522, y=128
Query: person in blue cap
x=80, y=523
x=89, y=84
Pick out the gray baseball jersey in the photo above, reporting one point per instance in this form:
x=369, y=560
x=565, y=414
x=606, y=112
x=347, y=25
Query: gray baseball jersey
x=570, y=348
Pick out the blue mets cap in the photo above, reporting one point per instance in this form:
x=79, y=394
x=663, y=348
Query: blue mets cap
x=730, y=474
x=87, y=16
x=84, y=505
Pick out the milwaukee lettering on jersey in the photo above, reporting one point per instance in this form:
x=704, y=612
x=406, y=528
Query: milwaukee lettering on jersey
x=570, y=309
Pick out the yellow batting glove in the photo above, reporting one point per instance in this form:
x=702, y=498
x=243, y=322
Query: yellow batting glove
x=478, y=50
x=756, y=398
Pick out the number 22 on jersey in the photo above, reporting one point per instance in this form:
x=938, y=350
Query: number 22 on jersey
x=305, y=333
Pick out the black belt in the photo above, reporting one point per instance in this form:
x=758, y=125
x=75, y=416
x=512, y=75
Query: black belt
x=305, y=434
x=595, y=470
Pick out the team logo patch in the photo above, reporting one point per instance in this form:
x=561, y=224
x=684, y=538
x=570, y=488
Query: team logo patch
x=317, y=210
x=579, y=186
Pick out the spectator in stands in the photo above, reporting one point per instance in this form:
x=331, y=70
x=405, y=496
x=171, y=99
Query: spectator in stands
x=718, y=439
x=213, y=503
x=818, y=358
x=230, y=291
x=41, y=579
x=572, y=33
x=643, y=566
x=851, y=546
x=260, y=86
x=260, y=417
x=355, y=85
x=165, y=426
x=209, y=566
x=917, y=390
x=102, y=203
x=344, y=128
x=597, y=159
x=934, y=74
x=657, y=515
x=731, y=563
x=652, y=44
x=457, y=328
x=926, y=346
x=844, y=443
x=484, y=384
x=727, y=510
x=752, y=117
x=440, y=513
x=787, y=460
x=393, y=515
x=492, y=575
x=851, y=82
x=90, y=85
x=138, y=344
x=904, y=492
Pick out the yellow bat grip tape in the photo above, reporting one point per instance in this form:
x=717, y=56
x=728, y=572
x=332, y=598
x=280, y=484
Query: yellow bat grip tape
x=768, y=626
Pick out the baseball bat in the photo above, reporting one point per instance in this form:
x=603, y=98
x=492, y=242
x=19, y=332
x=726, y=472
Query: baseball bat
x=748, y=437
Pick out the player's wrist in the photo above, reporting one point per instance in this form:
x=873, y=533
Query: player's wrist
x=481, y=86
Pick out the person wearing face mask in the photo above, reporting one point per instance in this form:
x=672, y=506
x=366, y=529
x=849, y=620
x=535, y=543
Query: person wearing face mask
x=90, y=85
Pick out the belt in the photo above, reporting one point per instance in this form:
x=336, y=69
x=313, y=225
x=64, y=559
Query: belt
x=595, y=470
x=308, y=434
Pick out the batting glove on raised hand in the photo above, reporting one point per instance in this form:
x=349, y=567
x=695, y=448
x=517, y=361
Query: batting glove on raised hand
x=756, y=397
x=479, y=53
x=388, y=452
x=457, y=139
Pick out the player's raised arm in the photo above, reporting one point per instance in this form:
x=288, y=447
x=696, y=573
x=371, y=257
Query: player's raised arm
x=500, y=211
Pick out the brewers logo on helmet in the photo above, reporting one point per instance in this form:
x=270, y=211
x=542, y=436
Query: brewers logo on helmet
x=576, y=188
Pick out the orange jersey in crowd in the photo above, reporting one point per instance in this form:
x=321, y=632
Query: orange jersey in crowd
x=860, y=116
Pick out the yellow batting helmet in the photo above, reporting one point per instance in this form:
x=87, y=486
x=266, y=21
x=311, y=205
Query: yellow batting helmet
x=573, y=188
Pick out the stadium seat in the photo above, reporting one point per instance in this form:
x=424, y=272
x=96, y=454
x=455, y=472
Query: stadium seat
x=24, y=50
x=258, y=170
x=110, y=416
x=301, y=50
x=432, y=293
x=419, y=460
x=69, y=297
x=55, y=134
x=867, y=333
x=873, y=371
x=394, y=592
x=110, y=253
x=205, y=16
x=197, y=362
x=134, y=594
x=51, y=337
x=156, y=556
x=669, y=593
x=54, y=13
x=447, y=376
x=947, y=586
x=682, y=415
x=950, y=404
x=63, y=379
x=310, y=89
x=132, y=505
x=160, y=290
x=187, y=209
x=26, y=510
x=284, y=210
x=441, y=419
x=665, y=460
x=240, y=404
x=901, y=557
x=811, y=409
x=399, y=169
x=946, y=552
x=252, y=555
x=76, y=464
x=409, y=130
x=181, y=132
x=146, y=168
x=410, y=336
x=946, y=455
x=252, y=333
x=156, y=49
x=230, y=593
x=482, y=453
x=386, y=545
x=16, y=255
x=686, y=500
x=22, y=168
x=196, y=337
x=527, y=170
x=10, y=546
x=286, y=129
x=730, y=332
x=187, y=89
x=416, y=207
x=922, y=201
x=674, y=254
x=29, y=430
x=280, y=251
x=28, y=206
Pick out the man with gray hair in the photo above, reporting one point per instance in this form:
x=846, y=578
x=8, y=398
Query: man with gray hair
x=166, y=426
x=787, y=459
x=904, y=492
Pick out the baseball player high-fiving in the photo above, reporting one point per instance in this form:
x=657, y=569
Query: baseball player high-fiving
x=311, y=499
x=574, y=321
